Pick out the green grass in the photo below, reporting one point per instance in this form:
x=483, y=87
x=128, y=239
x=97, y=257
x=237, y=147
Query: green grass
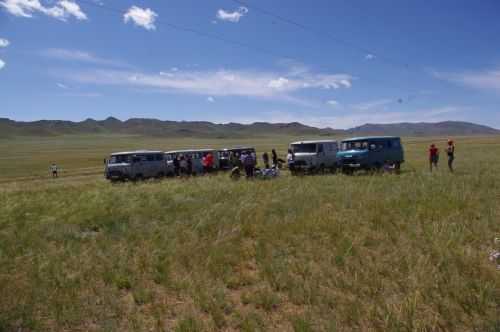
x=314, y=253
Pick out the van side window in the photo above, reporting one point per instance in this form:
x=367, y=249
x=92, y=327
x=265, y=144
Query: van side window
x=320, y=147
x=395, y=143
x=159, y=157
x=150, y=157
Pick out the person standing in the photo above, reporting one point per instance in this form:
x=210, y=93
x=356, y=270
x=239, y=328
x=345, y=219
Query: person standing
x=183, y=165
x=433, y=157
x=209, y=162
x=450, y=151
x=54, y=170
x=290, y=159
x=275, y=158
x=189, y=160
x=204, y=164
x=265, y=159
x=176, y=165
x=249, y=164
x=235, y=159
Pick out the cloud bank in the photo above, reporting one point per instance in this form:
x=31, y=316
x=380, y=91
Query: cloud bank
x=485, y=80
x=62, y=10
x=260, y=84
x=80, y=56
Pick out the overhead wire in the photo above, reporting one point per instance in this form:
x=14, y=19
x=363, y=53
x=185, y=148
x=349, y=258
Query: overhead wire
x=323, y=33
x=224, y=39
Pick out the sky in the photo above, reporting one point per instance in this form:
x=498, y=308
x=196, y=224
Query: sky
x=327, y=63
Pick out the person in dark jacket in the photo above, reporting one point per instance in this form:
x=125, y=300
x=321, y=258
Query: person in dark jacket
x=176, y=166
x=265, y=159
x=249, y=164
x=275, y=158
x=450, y=151
x=189, y=165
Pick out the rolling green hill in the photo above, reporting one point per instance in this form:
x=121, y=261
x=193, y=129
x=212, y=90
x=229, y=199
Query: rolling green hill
x=158, y=128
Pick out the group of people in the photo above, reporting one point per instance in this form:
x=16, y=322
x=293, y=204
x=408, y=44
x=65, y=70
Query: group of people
x=434, y=155
x=183, y=164
x=248, y=162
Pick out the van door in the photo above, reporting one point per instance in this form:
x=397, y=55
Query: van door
x=138, y=162
x=147, y=165
x=376, y=151
x=321, y=160
x=332, y=154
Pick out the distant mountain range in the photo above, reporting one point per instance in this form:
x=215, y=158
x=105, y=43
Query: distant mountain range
x=153, y=127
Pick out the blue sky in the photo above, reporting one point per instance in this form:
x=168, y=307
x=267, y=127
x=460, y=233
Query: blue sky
x=357, y=62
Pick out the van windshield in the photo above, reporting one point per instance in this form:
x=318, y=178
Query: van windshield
x=304, y=148
x=356, y=145
x=122, y=158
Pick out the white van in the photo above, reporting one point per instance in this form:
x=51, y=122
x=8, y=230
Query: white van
x=135, y=165
x=314, y=156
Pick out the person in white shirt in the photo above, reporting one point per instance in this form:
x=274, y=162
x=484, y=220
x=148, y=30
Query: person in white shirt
x=290, y=159
x=54, y=170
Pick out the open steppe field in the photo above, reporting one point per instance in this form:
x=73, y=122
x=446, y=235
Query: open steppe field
x=369, y=252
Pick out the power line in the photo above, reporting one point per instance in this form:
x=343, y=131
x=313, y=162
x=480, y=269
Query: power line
x=322, y=33
x=219, y=37
x=194, y=31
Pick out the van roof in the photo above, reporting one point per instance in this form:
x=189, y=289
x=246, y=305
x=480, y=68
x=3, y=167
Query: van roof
x=370, y=138
x=192, y=150
x=135, y=152
x=314, y=141
x=238, y=148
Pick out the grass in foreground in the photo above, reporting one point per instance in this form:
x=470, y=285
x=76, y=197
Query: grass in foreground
x=318, y=253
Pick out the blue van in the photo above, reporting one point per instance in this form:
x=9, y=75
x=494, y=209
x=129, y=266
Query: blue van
x=370, y=153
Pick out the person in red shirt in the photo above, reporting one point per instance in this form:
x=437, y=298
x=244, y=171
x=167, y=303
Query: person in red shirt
x=209, y=162
x=433, y=157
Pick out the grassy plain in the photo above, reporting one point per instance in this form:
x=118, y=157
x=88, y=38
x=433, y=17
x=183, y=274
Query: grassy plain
x=315, y=253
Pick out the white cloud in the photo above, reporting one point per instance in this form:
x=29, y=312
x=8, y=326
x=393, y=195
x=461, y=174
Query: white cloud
x=80, y=56
x=62, y=10
x=211, y=99
x=4, y=42
x=141, y=17
x=332, y=103
x=348, y=119
x=162, y=73
x=83, y=94
x=258, y=84
x=2, y=64
x=233, y=17
x=486, y=80
x=62, y=86
x=369, y=57
x=72, y=8
x=278, y=83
